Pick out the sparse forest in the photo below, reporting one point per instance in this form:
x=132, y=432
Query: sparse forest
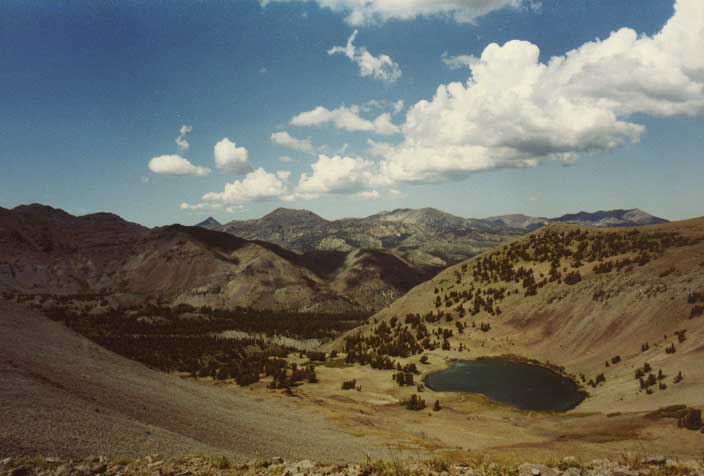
x=188, y=339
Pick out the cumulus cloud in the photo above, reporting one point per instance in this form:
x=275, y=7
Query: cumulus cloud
x=346, y=118
x=284, y=139
x=230, y=158
x=339, y=174
x=257, y=185
x=380, y=67
x=459, y=61
x=375, y=11
x=181, y=141
x=515, y=111
x=176, y=165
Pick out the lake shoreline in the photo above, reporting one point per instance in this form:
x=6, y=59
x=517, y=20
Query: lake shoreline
x=580, y=394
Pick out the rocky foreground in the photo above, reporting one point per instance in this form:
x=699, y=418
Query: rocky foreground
x=153, y=465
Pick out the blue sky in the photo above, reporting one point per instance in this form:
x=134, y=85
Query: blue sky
x=92, y=92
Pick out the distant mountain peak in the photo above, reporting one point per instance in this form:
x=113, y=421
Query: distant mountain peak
x=520, y=221
x=619, y=217
x=210, y=223
x=286, y=214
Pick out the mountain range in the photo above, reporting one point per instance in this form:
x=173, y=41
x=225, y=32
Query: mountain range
x=427, y=237
x=288, y=260
x=46, y=250
x=598, y=304
x=601, y=218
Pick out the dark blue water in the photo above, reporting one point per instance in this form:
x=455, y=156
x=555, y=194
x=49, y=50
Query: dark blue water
x=519, y=384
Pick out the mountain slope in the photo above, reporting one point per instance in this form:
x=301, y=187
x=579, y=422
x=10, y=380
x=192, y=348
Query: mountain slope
x=45, y=250
x=579, y=297
x=64, y=395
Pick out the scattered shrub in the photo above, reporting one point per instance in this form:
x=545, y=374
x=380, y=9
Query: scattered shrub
x=414, y=403
x=349, y=384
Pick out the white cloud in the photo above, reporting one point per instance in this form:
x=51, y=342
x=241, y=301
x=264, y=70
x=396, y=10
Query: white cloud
x=296, y=197
x=459, y=61
x=212, y=206
x=380, y=67
x=395, y=193
x=285, y=159
x=346, y=118
x=284, y=139
x=369, y=195
x=230, y=158
x=181, y=141
x=283, y=175
x=257, y=185
x=374, y=104
x=339, y=175
x=515, y=111
x=176, y=165
x=364, y=12
x=201, y=206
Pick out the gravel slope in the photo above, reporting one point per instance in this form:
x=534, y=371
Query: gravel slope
x=61, y=394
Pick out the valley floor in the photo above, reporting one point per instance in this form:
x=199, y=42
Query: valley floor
x=63, y=395
x=470, y=424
